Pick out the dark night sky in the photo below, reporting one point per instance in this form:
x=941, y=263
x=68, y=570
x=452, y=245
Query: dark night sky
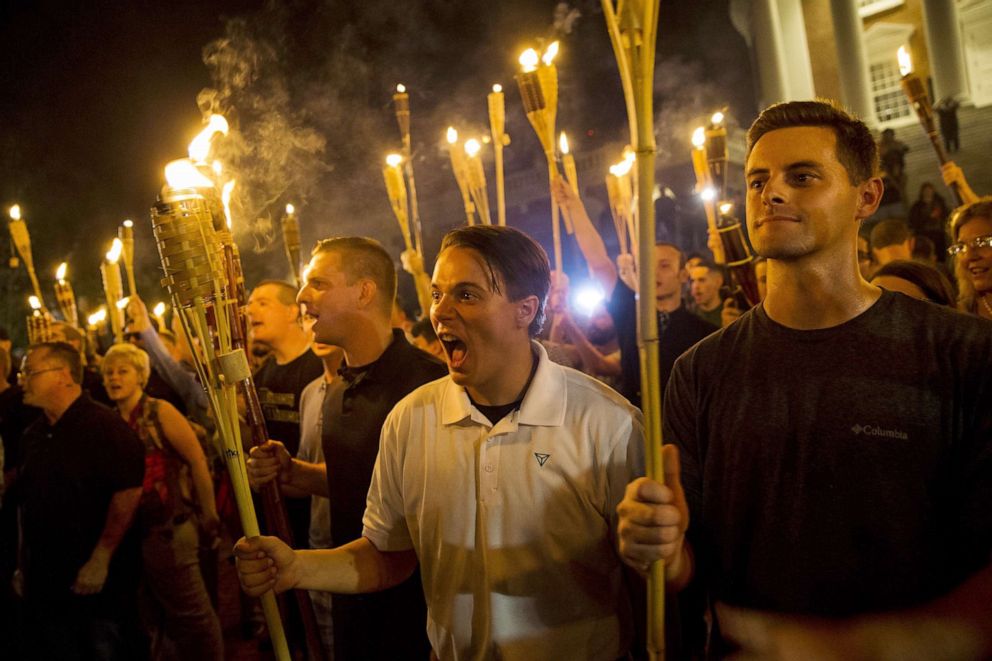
x=98, y=97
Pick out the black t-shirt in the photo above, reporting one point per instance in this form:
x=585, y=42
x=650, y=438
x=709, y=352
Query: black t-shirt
x=837, y=471
x=279, y=388
x=355, y=408
x=71, y=471
x=677, y=331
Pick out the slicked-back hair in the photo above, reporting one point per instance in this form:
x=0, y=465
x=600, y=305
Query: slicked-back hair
x=516, y=263
x=889, y=232
x=856, y=148
x=64, y=353
x=362, y=257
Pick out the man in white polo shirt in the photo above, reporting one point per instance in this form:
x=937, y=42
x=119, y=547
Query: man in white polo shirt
x=502, y=479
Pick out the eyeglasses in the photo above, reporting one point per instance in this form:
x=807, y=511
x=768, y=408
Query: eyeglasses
x=24, y=375
x=978, y=242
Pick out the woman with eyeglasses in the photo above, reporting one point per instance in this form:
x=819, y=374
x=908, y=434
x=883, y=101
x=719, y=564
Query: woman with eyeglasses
x=971, y=230
x=173, y=458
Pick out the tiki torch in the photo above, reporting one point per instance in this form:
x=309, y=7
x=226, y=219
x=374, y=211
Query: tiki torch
x=401, y=103
x=39, y=323
x=203, y=295
x=396, y=190
x=158, y=311
x=704, y=187
x=65, y=297
x=538, y=83
x=22, y=241
x=914, y=90
x=621, y=196
x=633, y=35
x=94, y=323
x=113, y=288
x=460, y=169
x=126, y=234
x=571, y=174
x=291, y=241
x=715, y=147
x=476, y=179
x=497, y=122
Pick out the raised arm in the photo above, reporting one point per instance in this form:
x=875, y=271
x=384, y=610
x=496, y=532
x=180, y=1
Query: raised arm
x=591, y=244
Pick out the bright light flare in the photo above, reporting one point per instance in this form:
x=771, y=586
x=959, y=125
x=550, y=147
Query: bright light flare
x=394, y=160
x=217, y=167
x=199, y=148
x=472, y=147
x=452, y=135
x=726, y=208
x=708, y=194
x=717, y=118
x=97, y=317
x=182, y=173
x=159, y=309
x=400, y=88
x=128, y=223
x=122, y=303
x=225, y=199
x=34, y=302
x=290, y=209
x=550, y=53
x=15, y=212
x=905, y=61
x=699, y=137
x=629, y=156
x=61, y=271
x=621, y=169
x=497, y=88
x=587, y=299
x=563, y=143
x=528, y=60
x=115, y=251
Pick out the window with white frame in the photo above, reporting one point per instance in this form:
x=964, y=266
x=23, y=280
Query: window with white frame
x=871, y=7
x=882, y=41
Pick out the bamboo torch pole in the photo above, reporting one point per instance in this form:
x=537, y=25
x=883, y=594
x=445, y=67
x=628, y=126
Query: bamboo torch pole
x=291, y=242
x=22, y=241
x=460, y=169
x=65, y=297
x=392, y=175
x=633, y=34
x=126, y=234
x=401, y=103
x=497, y=122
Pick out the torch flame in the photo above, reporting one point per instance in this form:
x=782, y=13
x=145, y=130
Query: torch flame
x=452, y=135
x=97, y=317
x=217, y=167
x=290, y=209
x=528, y=60
x=629, y=156
x=563, y=143
x=159, y=309
x=905, y=61
x=622, y=168
x=717, y=118
x=708, y=194
x=726, y=208
x=183, y=174
x=128, y=223
x=15, y=212
x=122, y=303
x=401, y=88
x=394, y=160
x=497, y=88
x=115, y=251
x=199, y=149
x=60, y=271
x=550, y=53
x=34, y=302
x=472, y=147
x=699, y=137
x=225, y=199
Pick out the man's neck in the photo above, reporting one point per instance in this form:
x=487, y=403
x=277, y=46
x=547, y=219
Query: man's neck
x=55, y=410
x=332, y=362
x=669, y=303
x=368, y=340
x=512, y=380
x=807, y=296
x=708, y=306
x=291, y=346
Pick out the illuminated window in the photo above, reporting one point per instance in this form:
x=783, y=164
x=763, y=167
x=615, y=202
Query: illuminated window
x=890, y=102
x=871, y=7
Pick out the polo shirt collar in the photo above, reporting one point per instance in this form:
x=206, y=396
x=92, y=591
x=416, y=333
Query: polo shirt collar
x=389, y=360
x=543, y=405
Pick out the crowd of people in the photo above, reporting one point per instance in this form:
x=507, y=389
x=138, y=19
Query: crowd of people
x=472, y=484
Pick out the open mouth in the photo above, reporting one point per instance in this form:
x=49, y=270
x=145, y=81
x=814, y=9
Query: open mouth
x=455, y=349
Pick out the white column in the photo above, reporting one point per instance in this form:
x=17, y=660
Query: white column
x=798, y=67
x=769, y=52
x=940, y=26
x=852, y=60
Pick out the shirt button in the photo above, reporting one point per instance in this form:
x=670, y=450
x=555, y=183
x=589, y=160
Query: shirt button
x=489, y=468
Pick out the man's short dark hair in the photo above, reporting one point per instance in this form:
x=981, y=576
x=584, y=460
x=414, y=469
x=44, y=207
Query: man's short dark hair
x=889, y=232
x=856, y=148
x=64, y=353
x=515, y=261
x=70, y=333
x=713, y=267
x=362, y=257
x=424, y=329
x=682, y=258
x=285, y=292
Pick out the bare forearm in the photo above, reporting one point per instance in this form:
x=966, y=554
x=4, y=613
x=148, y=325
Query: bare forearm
x=123, y=505
x=353, y=568
x=306, y=479
x=204, y=487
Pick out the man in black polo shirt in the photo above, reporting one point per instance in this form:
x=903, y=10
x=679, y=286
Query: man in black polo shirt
x=349, y=292
x=78, y=492
x=678, y=329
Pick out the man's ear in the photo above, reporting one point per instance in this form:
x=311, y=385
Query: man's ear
x=526, y=311
x=869, y=197
x=367, y=291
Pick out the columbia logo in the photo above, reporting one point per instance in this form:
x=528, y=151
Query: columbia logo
x=872, y=430
x=542, y=458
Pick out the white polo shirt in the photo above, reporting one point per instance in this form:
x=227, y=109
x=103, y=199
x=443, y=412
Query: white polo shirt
x=514, y=525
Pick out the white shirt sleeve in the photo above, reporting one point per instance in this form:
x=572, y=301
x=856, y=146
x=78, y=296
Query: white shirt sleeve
x=384, y=523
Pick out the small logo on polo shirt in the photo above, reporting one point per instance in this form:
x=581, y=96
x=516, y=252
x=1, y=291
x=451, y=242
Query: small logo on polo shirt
x=542, y=458
x=873, y=430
